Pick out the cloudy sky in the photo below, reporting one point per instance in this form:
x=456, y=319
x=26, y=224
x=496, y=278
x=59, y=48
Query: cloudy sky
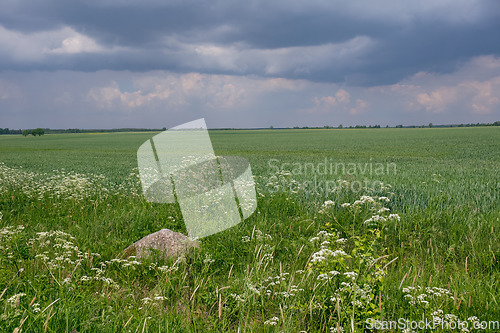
x=159, y=63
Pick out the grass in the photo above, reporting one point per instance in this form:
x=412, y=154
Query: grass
x=444, y=189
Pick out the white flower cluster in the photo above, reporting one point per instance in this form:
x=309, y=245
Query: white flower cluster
x=272, y=322
x=208, y=259
x=375, y=220
x=324, y=239
x=57, y=250
x=173, y=268
x=365, y=199
x=245, y=239
x=394, y=217
x=148, y=300
x=260, y=236
x=253, y=288
x=419, y=295
x=35, y=307
x=334, y=329
x=321, y=236
x=64, y=185
x=326, y=205
x=279, y=282
x=443, y=319
x=359, y=297
x=238, y=298
x=275, y=280
x=99, y=277
x=327, y=276
x=6, y=235
x=15, y=299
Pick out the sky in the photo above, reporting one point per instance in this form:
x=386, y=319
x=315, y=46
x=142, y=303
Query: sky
x=247, y=64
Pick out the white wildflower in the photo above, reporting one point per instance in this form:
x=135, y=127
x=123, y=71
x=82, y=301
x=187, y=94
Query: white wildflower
x=328, y=203
x=383, y=210
x=394, y=217
x=238, y=298
x=35, y=307
x=272, y=322
x=208, y=259
x=15, y=299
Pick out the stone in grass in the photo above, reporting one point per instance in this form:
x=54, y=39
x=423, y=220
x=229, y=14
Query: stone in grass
x=164, y=242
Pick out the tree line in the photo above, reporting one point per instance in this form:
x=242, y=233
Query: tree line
x=42, y=131
x=34, y=132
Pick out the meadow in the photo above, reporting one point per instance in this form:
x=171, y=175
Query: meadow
x=356, y=230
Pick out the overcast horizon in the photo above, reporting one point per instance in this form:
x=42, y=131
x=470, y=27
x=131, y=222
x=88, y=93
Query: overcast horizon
x=254, y=64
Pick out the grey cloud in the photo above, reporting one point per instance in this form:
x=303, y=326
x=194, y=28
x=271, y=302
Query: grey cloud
x=278, y=38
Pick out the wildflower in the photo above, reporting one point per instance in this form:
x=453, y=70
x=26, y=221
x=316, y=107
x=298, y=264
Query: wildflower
x=35, y=307
x=334, y=329
x=15, y=299
x=339, y=253
x=323, y=276
x=450, y=317
x=394, y=217
x=345, y=205
x=321, y=255
x=357, y=303
x=208, y=259
x=376, y=219
x=328, y=203
x=272, y=322
x=238, y=298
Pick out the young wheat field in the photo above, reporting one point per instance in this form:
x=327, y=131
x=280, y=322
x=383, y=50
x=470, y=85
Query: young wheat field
x=356, y=230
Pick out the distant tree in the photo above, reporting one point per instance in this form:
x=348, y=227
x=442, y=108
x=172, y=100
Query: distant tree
x=399, y=126
x=26, y=133
x=271, y=127
x=38, y=131
x=496, y=123
x=430, y=125
x=340, y=126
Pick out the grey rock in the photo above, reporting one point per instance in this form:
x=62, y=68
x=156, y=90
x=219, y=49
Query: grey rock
x=166, y=242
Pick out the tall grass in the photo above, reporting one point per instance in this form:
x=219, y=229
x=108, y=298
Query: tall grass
x=71, y=203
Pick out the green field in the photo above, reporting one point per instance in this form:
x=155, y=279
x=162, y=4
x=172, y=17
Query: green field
x=299, y=263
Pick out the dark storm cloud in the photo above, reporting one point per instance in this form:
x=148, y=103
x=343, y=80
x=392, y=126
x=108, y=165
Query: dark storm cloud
x=361, y=43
